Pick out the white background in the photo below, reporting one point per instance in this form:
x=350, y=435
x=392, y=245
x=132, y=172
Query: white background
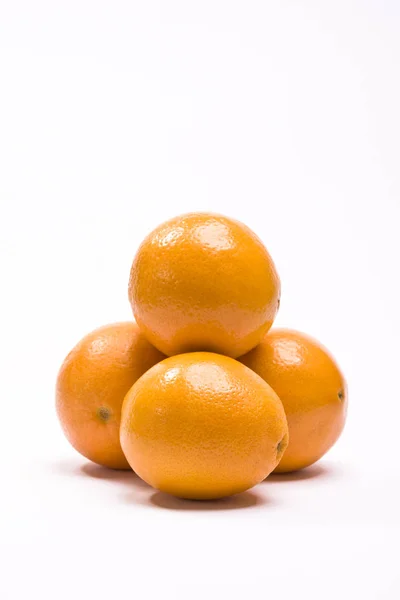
x=117, y=115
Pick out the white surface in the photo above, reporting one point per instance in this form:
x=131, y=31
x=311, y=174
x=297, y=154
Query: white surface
x=117, y=115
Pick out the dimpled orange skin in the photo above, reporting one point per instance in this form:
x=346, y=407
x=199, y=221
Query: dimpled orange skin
x=204, y=282
x=202, y=426
x=312, y=389
x=91, y=386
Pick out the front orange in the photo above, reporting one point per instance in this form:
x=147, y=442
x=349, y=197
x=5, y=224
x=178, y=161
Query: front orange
x=204, y=282
x=91, y=386
x=202, y=426
x=312, y=389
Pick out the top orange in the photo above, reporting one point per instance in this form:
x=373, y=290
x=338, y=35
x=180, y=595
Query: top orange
x=204, y=282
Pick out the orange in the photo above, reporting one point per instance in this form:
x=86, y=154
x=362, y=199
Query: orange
x=202, y=426
x=203, y=282
x=312, y=389
x=91, y=386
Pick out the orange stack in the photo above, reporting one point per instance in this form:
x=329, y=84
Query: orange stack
x=198, y=396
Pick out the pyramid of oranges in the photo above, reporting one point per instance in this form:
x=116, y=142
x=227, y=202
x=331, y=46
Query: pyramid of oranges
x=199, y=396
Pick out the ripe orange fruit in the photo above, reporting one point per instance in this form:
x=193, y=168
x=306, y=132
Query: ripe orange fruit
x=204, y=282
x=202, y=426
x=312, y=389
x=91, y=386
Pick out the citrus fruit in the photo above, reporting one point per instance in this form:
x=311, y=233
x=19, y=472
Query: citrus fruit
x=203, y=282
x=202, y=426
x=91, y=386
x=312, y=389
